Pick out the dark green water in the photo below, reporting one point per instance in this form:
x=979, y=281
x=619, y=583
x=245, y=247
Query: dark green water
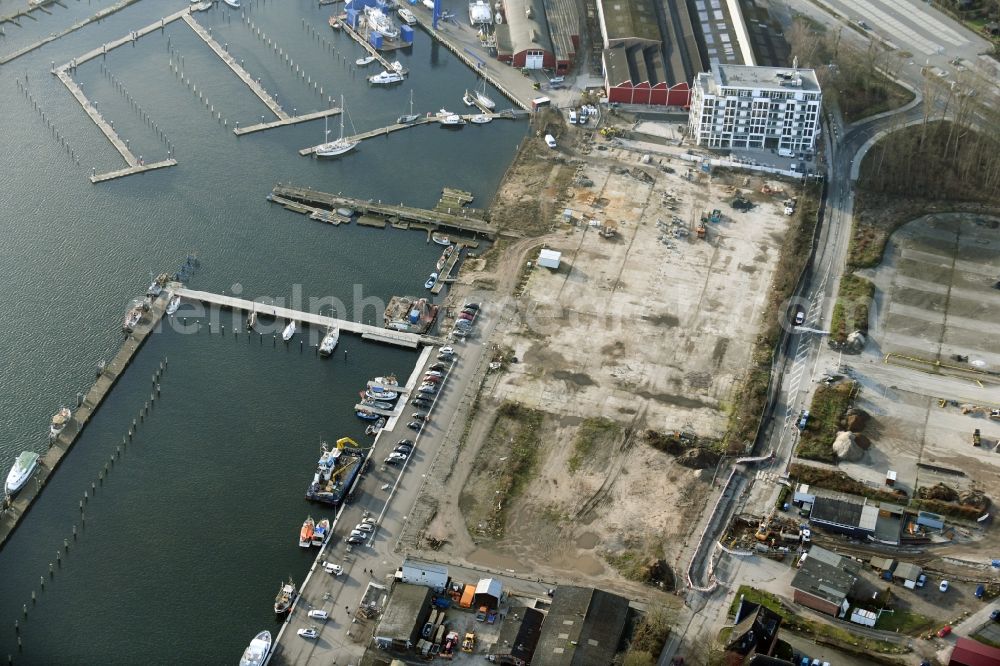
x=186, y=542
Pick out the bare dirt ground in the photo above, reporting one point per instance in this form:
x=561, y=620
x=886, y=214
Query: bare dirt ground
x=651, y=329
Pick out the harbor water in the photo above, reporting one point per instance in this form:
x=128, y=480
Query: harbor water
x=195, y=523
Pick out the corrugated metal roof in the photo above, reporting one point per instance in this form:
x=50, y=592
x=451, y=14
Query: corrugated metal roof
x=527, y=25
x=968, y=652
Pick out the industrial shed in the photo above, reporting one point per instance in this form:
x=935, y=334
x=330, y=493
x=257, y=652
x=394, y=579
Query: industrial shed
x=844, y=514
x=523, y=39
x=428, y=574
x=408, y=609
x=824, y=581
x=488, y=593
x=584, y=627
x=519, y=633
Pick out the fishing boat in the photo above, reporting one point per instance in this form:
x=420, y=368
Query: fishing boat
x=334, y=22
x=21, y=471
x=480, y=119
x=480, y=13
x=385, y=78
x=484, y=100
x=321, y=532
x=440, y=239
x=341, y=145
x=374, y=428
x=306, y=533
x=410, y=117
x=59, y=421
x=386, y=381
x=286, y=595
x=443, y=259
x=406, y=16
x=381, y=23
x=329, y=342
x=132, y=318
x=289, y=331
x=174, y=303
x=362, y=62
x=431, y=280
x=256, y=653
x=235, y=4
x=366, y=415
x=467, y=99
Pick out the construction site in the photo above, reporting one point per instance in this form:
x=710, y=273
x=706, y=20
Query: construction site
x=633, y=311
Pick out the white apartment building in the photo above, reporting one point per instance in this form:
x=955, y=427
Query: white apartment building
x=742, y=106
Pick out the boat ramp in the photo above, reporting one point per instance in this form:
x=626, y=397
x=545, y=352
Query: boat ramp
x=459, y=218
x=366, y=331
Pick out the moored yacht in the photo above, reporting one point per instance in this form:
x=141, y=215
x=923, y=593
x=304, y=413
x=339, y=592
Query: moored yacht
x=406, y=16
x=341, y=145
x=329, y=342
x=385, y=78
x=59, y=421
x=289, y=331
x=21, y=471
x=235, y=4
x=256, y=653
x=174, y=303
x=381, y=23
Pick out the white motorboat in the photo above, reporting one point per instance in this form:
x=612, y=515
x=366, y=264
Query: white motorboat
x=431, y=280
x=385, y=78
x=334, y=22
x=410, y=117
x=397, y=67
x=21, y=471
x=341, y=145
x=480, y=13
x=406, y=16
x=440, y=239
x=480, y=119
x=467, y=99
x=174, y=303
x=329, y=342
x=361, y=62
x=235, y=4
x=308, y=633
x=289, y=331
x=256, y=652
x=59, y=421
x=381, y=23
x=452, y=120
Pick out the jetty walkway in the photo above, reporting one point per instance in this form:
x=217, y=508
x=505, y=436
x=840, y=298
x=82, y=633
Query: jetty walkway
x=85, y=409
x=366, y=331
x=426, y=120
x=461, y=219
x=356, y=36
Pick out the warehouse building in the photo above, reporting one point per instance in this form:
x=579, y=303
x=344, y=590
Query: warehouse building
x=841, y=513
x=408, y=609
x=538, y=34
x=740, y=106
x=584, y=627
x=824, y=581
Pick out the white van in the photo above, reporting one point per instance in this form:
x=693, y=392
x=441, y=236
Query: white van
x=572, y=117
x=786, y=152
x=550, y=141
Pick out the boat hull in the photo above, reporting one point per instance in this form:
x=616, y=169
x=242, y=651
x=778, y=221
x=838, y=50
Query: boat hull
x=22, y=470
x=259, y=648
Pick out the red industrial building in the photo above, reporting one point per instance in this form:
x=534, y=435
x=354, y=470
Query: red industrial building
x=538, y=34
x=968, y=652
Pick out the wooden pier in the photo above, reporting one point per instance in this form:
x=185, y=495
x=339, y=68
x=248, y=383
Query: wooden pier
x=290, y=120
x=458, y=218
x=366, y=331
x=47, y=464
x=255, y=87
x=446, y=270
x=385, y=131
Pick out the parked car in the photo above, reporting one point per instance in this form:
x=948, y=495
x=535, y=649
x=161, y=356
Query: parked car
x=980, y=591
x=944, y=631
x=800, y=317
x=355, y=540
x=995, y=615
x=921, y=580
x=459, y=334
x=437, y=367
x=943, y=586
x=432, y=379
x=358, y=534
x=466, y=316
x=463, y=323
x=368, y=520
x=446, y=350
x=433, y=373
x=415, y=425
x=404, y=449
x=319, y=614
x=471, y=311
x=550, y=141
x=417, y=416
x=395, y=457
x=472, y=306
x=427, y=388
x=420, y=402
x=333, y=569
x=446, y=357
x=803, y=419
x=308, y=633
x=364, y=527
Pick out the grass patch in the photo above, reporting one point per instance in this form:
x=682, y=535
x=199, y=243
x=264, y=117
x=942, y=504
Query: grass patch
x=905, y=622
x=826, y=415
x=750, y=396
x=850, y=312
x=630, y=564
x=592, y=432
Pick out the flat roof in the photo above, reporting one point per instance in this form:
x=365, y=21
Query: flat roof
x=399, y=621
x=630, y=20
x=826, y=575
x=584, y=626
x=907, y=571
x=433, y=567
x=765, y=78
x=520, y=631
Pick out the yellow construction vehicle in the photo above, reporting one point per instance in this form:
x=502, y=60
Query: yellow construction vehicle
x=469, y=644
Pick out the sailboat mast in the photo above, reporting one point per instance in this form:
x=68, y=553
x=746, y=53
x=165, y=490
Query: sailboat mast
x=341, y=117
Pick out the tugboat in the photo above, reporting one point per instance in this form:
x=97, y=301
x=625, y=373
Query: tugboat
x=306, y=533
x=59, y=421
x=286, y=595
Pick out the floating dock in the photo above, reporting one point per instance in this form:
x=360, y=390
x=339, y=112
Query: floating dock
x=360, y=39
x=458, y=218
x=366, y=331
x=47, y=464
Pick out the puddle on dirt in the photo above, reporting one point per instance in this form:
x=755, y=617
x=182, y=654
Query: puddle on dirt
x=587, y=541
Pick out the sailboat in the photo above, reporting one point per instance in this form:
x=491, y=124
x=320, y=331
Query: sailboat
x=410, y=117
x=483, y=100
x=341, y=145
x=252, y=319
